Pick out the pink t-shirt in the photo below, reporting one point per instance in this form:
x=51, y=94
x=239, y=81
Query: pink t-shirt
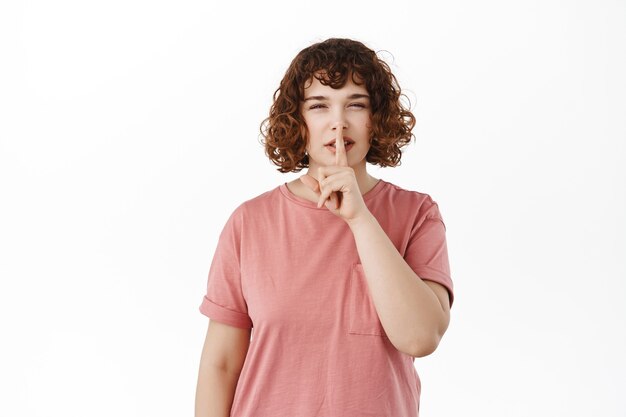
x=292, y=272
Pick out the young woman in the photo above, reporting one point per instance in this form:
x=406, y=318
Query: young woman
x=323, y=290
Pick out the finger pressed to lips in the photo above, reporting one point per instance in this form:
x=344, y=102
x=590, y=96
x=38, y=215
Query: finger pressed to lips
x=341, y=158
x=332, y=149
x=333, y=200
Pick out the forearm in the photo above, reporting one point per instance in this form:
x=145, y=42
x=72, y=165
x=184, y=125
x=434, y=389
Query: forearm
x=409, y=310
x=215, y=392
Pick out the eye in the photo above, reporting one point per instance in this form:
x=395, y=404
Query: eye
x=316, y=106
x=358, y=105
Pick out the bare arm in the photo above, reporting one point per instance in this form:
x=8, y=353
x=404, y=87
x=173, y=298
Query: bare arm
x=415, y=313
x=223, y=356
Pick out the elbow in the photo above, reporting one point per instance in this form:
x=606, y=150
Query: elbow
x=423, y=342
x=424, y=346
x=427, y=341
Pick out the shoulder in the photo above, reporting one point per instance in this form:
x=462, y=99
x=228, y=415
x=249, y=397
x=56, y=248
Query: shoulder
x=406, y=193
x=418, y=202
x=256, y=206
x=260, y=202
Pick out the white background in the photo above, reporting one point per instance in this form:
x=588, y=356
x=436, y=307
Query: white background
x=129, y=131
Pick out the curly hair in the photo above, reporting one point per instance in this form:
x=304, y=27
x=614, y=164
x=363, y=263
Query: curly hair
x=331, y=62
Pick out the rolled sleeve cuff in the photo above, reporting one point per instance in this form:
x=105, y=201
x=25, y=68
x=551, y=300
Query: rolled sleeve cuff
x=225, y=315
x=428, y=273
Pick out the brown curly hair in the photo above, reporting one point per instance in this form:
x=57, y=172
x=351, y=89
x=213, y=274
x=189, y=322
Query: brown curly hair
x=331, y=62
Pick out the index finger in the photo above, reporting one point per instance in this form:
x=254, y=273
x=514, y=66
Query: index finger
x=341, y=158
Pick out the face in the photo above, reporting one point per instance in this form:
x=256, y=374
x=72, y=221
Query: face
x=325, y=110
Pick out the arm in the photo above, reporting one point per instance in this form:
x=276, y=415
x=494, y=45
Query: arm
x=414, y=313
x=223, y=356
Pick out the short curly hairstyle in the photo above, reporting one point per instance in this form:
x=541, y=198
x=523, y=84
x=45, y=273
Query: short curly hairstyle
x=331, y=62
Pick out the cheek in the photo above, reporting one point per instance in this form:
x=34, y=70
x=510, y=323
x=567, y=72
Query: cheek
x=363, y=119
x=307, y=129
x=313, y=128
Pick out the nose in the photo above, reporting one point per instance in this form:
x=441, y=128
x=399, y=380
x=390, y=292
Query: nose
x=340, y=125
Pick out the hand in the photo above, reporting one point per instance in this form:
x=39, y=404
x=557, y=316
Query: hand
x=338, y=188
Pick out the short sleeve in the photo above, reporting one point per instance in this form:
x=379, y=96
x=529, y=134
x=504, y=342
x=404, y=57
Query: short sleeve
x=427, y=250
x=224, y=300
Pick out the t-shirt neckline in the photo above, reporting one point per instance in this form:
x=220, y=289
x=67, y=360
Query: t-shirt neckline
x=306, y=203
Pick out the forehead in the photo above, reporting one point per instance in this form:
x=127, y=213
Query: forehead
x=314, y=87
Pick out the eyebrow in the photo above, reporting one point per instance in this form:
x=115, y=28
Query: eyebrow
x=351, y=97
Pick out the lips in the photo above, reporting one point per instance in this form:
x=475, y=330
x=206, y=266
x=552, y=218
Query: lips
x=347, y=141
x=333, y=149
